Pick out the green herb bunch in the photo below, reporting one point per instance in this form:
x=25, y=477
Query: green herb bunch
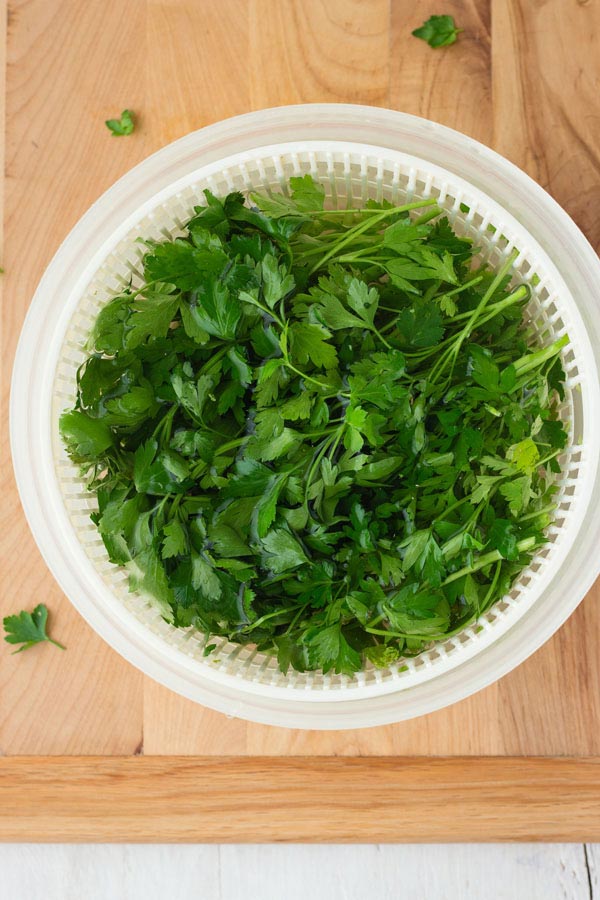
x=323, y=432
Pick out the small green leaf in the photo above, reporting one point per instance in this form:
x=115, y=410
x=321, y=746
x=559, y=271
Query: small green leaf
x=205, y=579
x=438, y=31
x=150, y=318
x=502, y=537
x=124, y=125
x=283, y=551
x=524, y=455
x=183, y=265
x=307, y=194
x=382, y=656
x=517, y=493
x=28, y=628
x=276, y=281
x=84, y=437
x=147, y=575
x=175, y=540
x=251, y=479
x=266, y=507
x=310, y=342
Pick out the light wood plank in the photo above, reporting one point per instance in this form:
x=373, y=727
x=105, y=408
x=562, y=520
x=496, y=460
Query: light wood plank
x=451, y=85
x=182, y=64
x=174, y=725
x=59, y=157
x=546, y=99
x=551, y=703
x=546, y=102
x=323, y=51
x=297, y=799
x=198, y=54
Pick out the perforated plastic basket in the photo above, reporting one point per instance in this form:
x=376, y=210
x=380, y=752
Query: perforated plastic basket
x=237, y=678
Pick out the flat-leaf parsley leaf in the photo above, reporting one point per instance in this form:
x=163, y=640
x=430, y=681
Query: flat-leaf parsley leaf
x=438, y=31
x=28, y=628
x=123, y=125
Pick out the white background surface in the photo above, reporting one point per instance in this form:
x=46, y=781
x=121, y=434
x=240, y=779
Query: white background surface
x=300, y=872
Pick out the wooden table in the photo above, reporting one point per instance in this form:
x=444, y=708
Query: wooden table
x=90, y=748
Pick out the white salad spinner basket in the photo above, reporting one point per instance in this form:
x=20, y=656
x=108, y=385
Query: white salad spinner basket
x=356, y=153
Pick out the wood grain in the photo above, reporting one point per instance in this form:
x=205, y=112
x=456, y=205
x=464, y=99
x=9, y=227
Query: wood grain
x=173, y=725
x=199, y=70
x=546, y=116
x=314, y=800
x=523, y=76
x=327, y=51
x=546, y=99
x=452, y=85
x=84, y=59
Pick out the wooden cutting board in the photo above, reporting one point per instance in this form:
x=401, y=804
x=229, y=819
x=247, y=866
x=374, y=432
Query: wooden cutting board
x=523, y=78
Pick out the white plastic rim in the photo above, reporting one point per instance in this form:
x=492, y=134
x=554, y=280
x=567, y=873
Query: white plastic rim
x=528, y=217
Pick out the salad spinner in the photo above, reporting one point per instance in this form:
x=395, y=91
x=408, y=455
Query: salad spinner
x=356, y=153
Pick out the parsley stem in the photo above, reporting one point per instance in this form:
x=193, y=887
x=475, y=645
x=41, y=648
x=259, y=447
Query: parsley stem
x=550, y=456
x=317, y=246
x=450, y=509
x=432, y=213
x=56, y=643
x=491, y=312
x=450, y=355
x=438, y=297
x=277, y=612
x=367, y=211
x=231, y=445
x=494, y=308
x=166, y=419
x=337, y=441
x=317, y=456
x=550, y=507
x=268, y=312
x=351, y=257
x=381, y=337
x=523, y=546
x=293, y=368
x=352, y=233
x=142, y=290
x=534, y=360
x=491, y=590
x=459, y=290
x=295, y=619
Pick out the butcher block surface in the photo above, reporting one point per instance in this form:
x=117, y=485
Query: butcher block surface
x=524, y=78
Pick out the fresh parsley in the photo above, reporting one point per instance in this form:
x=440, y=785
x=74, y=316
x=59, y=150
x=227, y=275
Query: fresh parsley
x=124, y=125
x=28, y=628
x=320, y=432
x=438, y=31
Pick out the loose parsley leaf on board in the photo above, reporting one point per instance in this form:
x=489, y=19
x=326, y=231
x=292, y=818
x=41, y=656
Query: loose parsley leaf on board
x=28, y=628
x=124, y=125
x=325, y=436
x=438, y=31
